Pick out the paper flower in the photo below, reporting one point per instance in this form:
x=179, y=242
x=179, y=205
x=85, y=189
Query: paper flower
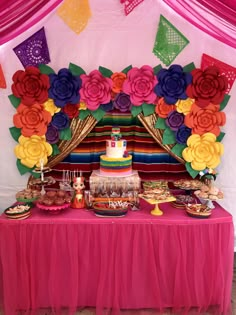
x=31, y=150
x=107, y=107
x=96, y=89
x=72, y=110
x=207, y=119
x=32, y=119
x=60, y=121
x=51, y=107
x=118, y=79
x=174, y=120
x=52, y=134
x=64, y=88
x=139, y=85
x=162, y=109
x=208, y=86
x=184, y=106
x=122, y=102
x=172, y=84
x=182, y=134
x=82, y=106
x=203, y=151
x=30, y=86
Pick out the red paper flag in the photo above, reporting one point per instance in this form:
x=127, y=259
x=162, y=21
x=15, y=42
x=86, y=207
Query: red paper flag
x=2, y=79
x=130, y=5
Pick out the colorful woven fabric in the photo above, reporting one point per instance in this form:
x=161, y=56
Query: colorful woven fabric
x=2, y=79
x=169, y=41
x=130, y=5
x=34, y=50
x=75, y=13
x=227, y=70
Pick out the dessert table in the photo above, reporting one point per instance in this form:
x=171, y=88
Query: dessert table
x=74, y=259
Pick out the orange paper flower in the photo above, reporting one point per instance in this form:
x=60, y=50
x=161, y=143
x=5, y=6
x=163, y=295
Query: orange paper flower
x=32, y=119
x=163, y=109
x=118, y=79
x=207, y=119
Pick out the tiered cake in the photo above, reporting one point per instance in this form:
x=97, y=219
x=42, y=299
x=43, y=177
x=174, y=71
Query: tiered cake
x=117, y=161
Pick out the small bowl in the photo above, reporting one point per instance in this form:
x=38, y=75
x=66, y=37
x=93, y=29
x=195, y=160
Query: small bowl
x=103, y=209
x=198, y=210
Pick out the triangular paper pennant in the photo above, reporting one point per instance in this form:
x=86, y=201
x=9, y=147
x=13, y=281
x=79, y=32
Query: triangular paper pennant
x=169, y=41
x=34, y=50
x=75, y=13
x=2, y=79
x=130, y=5
x=225, y=69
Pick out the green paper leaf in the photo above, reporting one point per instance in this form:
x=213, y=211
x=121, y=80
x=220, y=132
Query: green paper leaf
x=220, y=137
x=35, y=175
x=148, y=109
x=22, y=168
x=178, y=149
x=15, y=133
x=126, y=70
x=84, y=113
x=224, y=102
x=160, y=123
x=55, y=149
x=15, y=101
x=168, y=136
x=105, y=72
x=135, y=110
x=191, y=171
x=45, y=69
x=98, y=114
x=157, y=69
x=65, y=134
x=76, y=70
x=189, y=67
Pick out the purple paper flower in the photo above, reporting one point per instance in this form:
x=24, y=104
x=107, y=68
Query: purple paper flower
x=52, y=134
x=182, y=134
x=60, y=121
x=122, y=102
x=107, y=107
x=172, y=84
x=64, y=88
x=174, y=120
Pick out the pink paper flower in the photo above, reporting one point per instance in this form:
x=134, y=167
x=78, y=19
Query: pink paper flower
x=140, y=84
x=96, y=89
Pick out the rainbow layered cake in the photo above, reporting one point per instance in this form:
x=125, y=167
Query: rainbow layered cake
x=116, y=161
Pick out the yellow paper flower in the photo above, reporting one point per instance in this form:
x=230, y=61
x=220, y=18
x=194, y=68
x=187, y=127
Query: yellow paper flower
x=203, y=151
x=82, y=106
x=184, y=106
x=51, y=107
x=31, y=150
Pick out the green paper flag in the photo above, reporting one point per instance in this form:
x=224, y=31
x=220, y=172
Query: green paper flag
x=191, y=171
x=126, y=70
x=157, y=69
x=220, y=137
x=189, y=67
x=224, y=102
x=45, y=69
x=169, y=41
x=160, y=123
x=178, y=149
x=76, y=70
x=84, y=113
x=98, y=114
x=148, y=109
x=135, y=110
x=65, y=134
x=22, y=168
x=55, y=149
x=168, y=137
x=105, y=72
x=15, y=133
x=15, y=101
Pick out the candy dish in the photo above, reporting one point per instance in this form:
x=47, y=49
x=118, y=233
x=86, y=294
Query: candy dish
x=18, y=211
x=110, y=208
x=198, y=210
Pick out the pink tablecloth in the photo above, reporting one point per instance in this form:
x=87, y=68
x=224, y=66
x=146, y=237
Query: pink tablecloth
x=140, y=261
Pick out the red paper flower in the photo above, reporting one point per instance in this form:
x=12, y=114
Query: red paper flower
x=207, y=119
x=32, y=119
x=30, y=86
x=162, y=109
x=208, y=86
x=72, y=110
x=118, y=79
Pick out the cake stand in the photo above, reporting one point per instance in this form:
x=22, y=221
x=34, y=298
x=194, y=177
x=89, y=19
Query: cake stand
x=42, y=181
x=157, y=211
